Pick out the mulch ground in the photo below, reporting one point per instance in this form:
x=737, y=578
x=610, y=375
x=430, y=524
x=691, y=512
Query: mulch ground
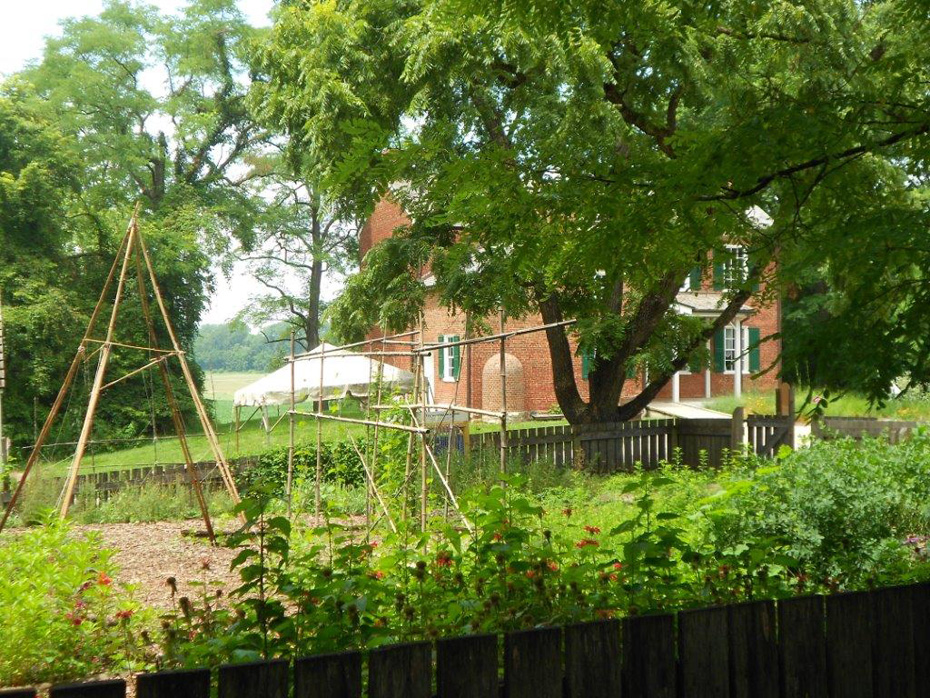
x=147, y=554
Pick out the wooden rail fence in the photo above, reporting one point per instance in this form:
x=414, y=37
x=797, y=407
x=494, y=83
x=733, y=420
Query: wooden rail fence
x=855, y=427
x=860, y=645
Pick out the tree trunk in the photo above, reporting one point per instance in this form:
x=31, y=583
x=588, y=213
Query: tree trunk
x=312, y=324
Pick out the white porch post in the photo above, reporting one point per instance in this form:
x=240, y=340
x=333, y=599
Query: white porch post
x=707, y=391
x=738, y=360
x=676, y=387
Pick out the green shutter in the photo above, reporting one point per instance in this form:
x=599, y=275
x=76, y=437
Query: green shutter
x=585, y=364
x=719, y=358
x=442, y=359
x=694, y=279
x=754, y=338
x=718, y=275
x=631, y=370
x=456, y=357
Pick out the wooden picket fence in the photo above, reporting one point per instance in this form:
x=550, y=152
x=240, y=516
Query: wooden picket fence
x=859, y=645
x=621, y=445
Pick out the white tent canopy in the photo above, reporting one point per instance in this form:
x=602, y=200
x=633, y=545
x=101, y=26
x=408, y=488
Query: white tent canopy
x=344, y=373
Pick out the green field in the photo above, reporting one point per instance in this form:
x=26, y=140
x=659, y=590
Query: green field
x=219, y=388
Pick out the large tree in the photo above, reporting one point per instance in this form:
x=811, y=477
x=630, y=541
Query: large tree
x=578, y=159
x=146, y=108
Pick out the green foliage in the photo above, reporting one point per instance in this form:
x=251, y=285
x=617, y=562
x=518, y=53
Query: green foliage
x=580, y=159
x=65, y=619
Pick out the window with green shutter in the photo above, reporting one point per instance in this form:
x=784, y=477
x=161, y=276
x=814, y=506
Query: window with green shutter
x=719, y=352
x=754, y=358
x=450, y=358
x=456, y=357
x=694, y=279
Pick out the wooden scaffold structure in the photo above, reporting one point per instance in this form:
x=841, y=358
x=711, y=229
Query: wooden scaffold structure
x=132, y=256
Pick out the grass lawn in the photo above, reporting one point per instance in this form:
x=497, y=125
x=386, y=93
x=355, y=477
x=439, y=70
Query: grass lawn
x=220, y=388
x=915, y=406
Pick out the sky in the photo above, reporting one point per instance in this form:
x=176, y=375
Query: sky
x=23, y=28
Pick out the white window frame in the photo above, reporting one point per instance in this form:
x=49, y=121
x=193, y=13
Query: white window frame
x=736, y=259
x=448, y=360
x=729, y=349
x=685, y=285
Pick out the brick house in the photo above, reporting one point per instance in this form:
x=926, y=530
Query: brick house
x=470, y=375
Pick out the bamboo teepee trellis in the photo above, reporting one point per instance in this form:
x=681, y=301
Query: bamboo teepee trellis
x=132, y=254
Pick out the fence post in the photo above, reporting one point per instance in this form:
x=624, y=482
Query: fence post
x=736, y=433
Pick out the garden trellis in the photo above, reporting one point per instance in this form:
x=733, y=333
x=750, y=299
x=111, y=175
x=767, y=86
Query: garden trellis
x=418, y=411
x=132, y=255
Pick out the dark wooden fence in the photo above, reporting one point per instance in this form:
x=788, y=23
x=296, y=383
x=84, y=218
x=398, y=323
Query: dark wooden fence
x=863, y=645
x=620, y=446
x=855, y=427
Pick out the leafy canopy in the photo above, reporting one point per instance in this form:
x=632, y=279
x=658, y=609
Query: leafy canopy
x=580, y=158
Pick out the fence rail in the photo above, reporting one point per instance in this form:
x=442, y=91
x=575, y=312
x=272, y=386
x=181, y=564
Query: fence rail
x=894, y=430
x=859, y=645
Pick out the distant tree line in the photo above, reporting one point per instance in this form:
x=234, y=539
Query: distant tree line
x=234, y=347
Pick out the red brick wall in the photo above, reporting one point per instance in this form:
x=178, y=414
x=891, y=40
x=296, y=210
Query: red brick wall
x=529, y=354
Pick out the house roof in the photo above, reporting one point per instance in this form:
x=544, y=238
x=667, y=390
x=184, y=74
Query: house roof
x=706, y=303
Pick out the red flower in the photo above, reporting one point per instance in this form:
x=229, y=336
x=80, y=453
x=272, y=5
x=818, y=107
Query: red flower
x=585, y=542
x=618, y=565
x=567, y=511
x=376, y=575
x=553, y=567
x=530, y=574
x=125, y=614
x=498, y=537
x=74, y=618
x=593, y=530
x=104, y=579
x=443, y=560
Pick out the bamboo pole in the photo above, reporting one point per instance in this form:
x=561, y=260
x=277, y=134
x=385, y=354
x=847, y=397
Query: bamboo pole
x=318, y=483
x=176, y=417
x=374, y=447
x=150, y=364
x=503, y=366
x=237, y=411
x=42, y=435
x=364, y=422
x=449, y=408
x=290, y=445
x=494, y=337
x=212, y=439
x=389, y=338
x=98, y=379
x=424, y=475
x=374, y=487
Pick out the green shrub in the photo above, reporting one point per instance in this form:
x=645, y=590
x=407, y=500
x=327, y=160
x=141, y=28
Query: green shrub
x=63, y=617
x=844, y=506
x=339, y=460
x=152, y=502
